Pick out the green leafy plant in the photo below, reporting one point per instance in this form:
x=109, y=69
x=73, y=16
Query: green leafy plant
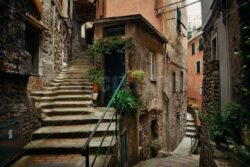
x=126, y=102
x=96, y=76
x=137, y=76
x=155, y=147
x=111, y=45
x=225, y=122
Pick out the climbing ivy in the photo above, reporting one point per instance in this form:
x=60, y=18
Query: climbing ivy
x=111, y=45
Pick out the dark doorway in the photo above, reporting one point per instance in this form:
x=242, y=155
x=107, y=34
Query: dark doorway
x=114, y=71
x=32, y=46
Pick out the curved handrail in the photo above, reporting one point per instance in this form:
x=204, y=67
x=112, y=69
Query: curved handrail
x=85, y=149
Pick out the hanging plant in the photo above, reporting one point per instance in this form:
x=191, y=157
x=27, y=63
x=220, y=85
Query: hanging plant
x=111, y=45
x=136, y=76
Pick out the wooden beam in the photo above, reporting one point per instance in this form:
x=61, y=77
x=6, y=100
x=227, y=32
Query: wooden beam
x=38, y=6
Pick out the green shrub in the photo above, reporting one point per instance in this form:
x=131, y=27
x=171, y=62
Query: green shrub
x=126, y=102
x=137, y=75
x=110, y=45
x=96, y=76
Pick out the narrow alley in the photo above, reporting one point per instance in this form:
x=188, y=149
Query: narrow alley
x=124, y=83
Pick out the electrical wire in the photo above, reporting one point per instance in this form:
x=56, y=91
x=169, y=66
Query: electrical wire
x=170, y=4
x=180, y=7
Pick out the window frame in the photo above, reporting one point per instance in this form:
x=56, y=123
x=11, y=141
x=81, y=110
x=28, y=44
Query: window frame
x=174, y=81
x=193, y=48
x=198, y=72
x=152, y=66
x=178, y=18
x=181, y=81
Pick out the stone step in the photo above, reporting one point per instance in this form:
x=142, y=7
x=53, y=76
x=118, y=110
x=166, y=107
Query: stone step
x=67, y=88
x=60, y=92
x=190, y=120
x=64, y=104
x=73, y=131
x=67, y=146
x=191, y=129
x=71, y=84
x=74, y=119
x=71, y=80
x=191, y=134
x=60, y=160
x=76, y=111
x=63, y=98
x=191, y=124
x=68, y=111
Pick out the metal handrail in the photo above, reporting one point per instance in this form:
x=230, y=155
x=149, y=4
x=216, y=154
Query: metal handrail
x=85, y=149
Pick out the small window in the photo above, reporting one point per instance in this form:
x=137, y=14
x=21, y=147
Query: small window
x=198, y=67
x=200, y=44
x=193, y=48
x=174, y=82
x=214, y=48
x=118, y=30
x=152, y=66
x=178, y=13
x=181, y=81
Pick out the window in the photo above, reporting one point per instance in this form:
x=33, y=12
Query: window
x=117, y=30
x=178, y=16
x=181, y=81
x=152, y=66
x=198, y=67
x=174, y=82
x=214, y=48
x=193, y=48
x=200, y=44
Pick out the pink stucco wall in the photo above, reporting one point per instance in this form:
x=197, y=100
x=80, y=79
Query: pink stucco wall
x=113, y=8
x=195, y=80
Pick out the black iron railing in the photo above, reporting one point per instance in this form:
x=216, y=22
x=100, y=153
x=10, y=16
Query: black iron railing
x=85, y=150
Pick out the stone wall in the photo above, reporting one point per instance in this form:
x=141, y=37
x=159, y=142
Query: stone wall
x=13, y=58
x=16, y=105
x=17, y=80
x=55, y=42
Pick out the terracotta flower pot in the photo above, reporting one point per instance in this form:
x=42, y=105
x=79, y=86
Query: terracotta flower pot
x=95, y=88
x=130, y=80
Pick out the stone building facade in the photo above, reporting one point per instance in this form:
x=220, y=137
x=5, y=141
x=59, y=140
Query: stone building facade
x=221, y=33
x=34, y=47
x=164, y=98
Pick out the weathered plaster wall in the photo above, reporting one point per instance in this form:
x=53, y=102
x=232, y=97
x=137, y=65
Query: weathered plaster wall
x=175, y=108
x=194, y=86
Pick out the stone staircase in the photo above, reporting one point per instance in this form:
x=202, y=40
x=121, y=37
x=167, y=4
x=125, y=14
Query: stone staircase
x=191, y=130
x=68, y=118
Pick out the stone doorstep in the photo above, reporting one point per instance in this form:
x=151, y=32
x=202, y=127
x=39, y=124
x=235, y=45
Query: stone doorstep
x=59, y=160
x=191, y=134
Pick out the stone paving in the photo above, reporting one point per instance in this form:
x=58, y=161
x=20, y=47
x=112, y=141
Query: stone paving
x=171, y=161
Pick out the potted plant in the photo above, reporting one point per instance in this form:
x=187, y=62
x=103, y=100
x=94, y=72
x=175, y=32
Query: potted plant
x=125, y=102
x=136, y=76
x=155, y=147
x=97, y=77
